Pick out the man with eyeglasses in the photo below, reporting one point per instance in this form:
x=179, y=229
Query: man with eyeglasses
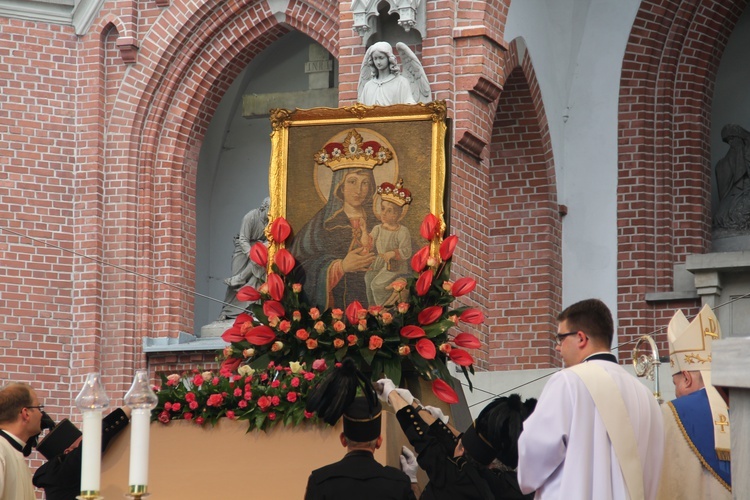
x=20, y=420
x=597, y=431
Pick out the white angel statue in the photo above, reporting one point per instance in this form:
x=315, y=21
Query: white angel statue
x=381, y=83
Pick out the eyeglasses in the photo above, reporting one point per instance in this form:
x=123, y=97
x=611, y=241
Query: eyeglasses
x=38, y=407
x=559, y=337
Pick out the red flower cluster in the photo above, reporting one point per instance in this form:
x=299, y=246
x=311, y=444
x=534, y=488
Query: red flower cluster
x=414, y=330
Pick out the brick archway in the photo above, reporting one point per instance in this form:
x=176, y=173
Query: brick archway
x=664, y=166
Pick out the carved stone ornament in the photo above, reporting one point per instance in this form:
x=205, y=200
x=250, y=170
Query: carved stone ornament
x=412, y=15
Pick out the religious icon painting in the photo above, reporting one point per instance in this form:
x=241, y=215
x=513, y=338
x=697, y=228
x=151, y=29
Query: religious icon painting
x=355, y=184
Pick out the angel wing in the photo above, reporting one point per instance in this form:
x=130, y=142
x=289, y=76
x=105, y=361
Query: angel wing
x=412, y=69
x=365, y=74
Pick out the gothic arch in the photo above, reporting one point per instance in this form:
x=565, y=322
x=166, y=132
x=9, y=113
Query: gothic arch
x=663, y=199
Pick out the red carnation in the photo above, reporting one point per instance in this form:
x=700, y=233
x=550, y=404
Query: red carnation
x=264, y=402
x=214, y=400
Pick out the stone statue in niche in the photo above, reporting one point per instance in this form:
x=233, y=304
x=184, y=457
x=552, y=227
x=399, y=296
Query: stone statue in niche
x=382, y=83
x=733, y=181
x=244, y=270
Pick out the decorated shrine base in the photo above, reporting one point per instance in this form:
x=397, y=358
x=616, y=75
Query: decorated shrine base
x=188, y=461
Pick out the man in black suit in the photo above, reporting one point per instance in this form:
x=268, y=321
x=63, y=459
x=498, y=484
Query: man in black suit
x=358, y=475
x=60, y=476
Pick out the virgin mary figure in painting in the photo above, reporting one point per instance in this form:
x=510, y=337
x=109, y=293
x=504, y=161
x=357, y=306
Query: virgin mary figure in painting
x=334, y=248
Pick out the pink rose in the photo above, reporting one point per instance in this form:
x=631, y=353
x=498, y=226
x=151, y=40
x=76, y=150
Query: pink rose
x=387, y=318
x=404, y=350
x=273, y=321
x=309, y=376
x=291, y=397
x=164, y=417
x=190, y=397
x=173, y=379
x=375, y=343
x=337, y=313
x=302, y=334
x=319, y=327
x=403, y=307
x=338, y=343
x=445, y=348
x=352, y=339
x=362, y=325
x=198, y=380
x=311, y=344
x=375, y=310
x=314, y=313
x=297, y=287
x=214, y=400
x=319, y=365
x=285, y=326
x=264, y=402
x=339, y=326
x=297, y=316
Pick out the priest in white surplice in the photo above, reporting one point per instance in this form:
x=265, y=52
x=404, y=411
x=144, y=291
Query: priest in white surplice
x=597, y=431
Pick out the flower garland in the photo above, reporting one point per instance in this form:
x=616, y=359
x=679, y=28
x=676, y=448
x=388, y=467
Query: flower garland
x=414, y=329
x=267, y=397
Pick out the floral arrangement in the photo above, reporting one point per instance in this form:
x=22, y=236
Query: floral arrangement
x=264, y=398
x=414, y=329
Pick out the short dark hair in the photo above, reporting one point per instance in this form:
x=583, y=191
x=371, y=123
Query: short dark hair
x=592, y=317
x=13, y=398
x=500, y=424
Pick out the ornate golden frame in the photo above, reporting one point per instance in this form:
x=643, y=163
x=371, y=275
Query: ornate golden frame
x=284, y=122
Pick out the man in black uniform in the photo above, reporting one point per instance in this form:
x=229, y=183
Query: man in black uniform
x=358, y=475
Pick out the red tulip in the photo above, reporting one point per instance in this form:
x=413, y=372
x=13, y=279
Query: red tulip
x=273, y=308
x=231, y=364
x=424, y=282
x=448, y=246
x=429, y=315
x=259, y=254
x=467, y=340
x=462, y=286
x=233, y=335
x=280, y=230
x=248, y=294
x=284, y=261
x=419, y=260
x=430, y=227
x=473, y=316
x=412, y=332
x=260, y=335
x=275, y=286
x=461, y=357
x=352, y=312
x=426, y=348
x=444, y=392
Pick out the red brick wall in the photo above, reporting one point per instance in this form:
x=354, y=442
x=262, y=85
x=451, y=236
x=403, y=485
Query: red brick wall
x=664, y=181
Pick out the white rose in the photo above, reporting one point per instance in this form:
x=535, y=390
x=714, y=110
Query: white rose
x=207, y=376
x=245, y=370
x=295, y=366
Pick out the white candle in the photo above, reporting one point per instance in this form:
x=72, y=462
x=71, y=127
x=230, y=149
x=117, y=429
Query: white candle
x=91, y=460
x=139, y=434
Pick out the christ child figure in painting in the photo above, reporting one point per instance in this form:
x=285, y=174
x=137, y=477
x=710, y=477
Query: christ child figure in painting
x=392, y=242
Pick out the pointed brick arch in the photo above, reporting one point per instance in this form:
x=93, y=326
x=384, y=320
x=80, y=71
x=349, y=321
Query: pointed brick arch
x=521, y=276
x=166, y=100
x=664, y=169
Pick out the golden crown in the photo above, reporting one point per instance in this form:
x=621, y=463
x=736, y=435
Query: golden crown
x=395, y=194
x=353, y=153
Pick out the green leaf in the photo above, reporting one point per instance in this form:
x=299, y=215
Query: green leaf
x=466, y=374
x=367, y=355
x=261, y=362
x=341, y=353
x=260, y=420
x=377, y=368
x=392, y=369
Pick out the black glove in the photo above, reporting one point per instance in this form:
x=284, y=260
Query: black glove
x=31, y=443
x=47, y=422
